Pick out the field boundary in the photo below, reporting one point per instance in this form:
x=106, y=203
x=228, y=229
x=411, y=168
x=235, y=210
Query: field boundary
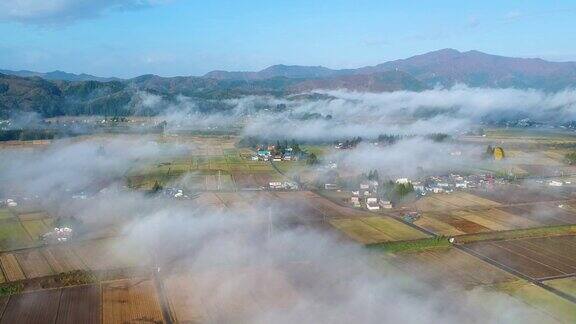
x=536, y=232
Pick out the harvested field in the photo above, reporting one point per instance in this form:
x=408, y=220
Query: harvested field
x=545, y=213
x=456, y=200
x=448, y=267
x=205, y=297
x=33, y=264
x=537, y=258
x=436, y=226
x=457, y=222
x=33, y=307
x=103, y=255
x=63, y=259
x=11, y=268
x=80, y=304
x=511, y=194
x=130, y=301
x=369, y=230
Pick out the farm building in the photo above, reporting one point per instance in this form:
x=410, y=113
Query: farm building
x=372, y=204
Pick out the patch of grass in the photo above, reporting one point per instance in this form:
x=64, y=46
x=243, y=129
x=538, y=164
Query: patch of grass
x=519, y=233
x=76, y=277
x=13, y=235
x=8, y=289
x=5, y=213
x=412, y=246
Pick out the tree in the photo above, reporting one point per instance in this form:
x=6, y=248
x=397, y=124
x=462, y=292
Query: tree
x=312, y=159
x=489, y=152
x=403, y=189
x=157, y=187
x=373, y=175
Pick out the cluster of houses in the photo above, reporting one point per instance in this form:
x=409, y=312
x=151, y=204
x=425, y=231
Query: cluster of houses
x=9, y=203
x=283, y=185
x=366, y=195
x=271, y=154
x=59, y=235
x=451, y=182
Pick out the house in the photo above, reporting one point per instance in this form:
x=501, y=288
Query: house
x=386, y=204
x=555, y=183
x=255, y=158
x=402, y=180
x=372, y=204
x=331, y=186
x=462, y=185
x=356, y=193
x=355, y=201
x=365, y=186
x=264, y=153
x=275, y=185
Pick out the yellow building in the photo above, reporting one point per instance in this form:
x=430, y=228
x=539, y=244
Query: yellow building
x=498, y=153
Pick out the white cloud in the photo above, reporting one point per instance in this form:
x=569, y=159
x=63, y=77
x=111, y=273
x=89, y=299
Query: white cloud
x=42, y=12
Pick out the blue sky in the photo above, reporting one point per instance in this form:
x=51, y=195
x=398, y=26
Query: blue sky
x=127, y=38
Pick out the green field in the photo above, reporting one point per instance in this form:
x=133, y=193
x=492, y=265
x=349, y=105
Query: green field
x=567, y=285
x=540, y=299
x=13, y=235
x=5, y=213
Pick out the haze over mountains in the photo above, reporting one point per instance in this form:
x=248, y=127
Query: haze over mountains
x=60, y=93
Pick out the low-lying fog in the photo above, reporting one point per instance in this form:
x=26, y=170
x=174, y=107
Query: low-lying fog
x=317, y=278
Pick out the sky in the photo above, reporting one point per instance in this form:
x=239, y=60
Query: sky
x=127, y=38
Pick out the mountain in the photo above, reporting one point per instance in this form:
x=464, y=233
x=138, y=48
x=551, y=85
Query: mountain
x=443, y=67
x=448, y=66
x=58, y=75
x=280, y=70
x=386, y=81
x=60, y=93
x=55, y=98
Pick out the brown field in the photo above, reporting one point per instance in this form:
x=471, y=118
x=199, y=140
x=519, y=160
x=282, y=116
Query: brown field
x=537, y=258
x=458, y=222
x=33, y=264
x=63, y=259
x=80, y=304
x=204, y=297
x=455, y=200
x=436, y=226
x=11, y=268
x=130, y=301
x=545, y=213
x=246, y=181
x=95, y=255
x=447, y=267
x=33, y=307
x=511, y=194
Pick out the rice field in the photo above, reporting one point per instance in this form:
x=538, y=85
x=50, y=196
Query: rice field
x=566, y=285
x=376, y=229
x=447, y=267
x=95, y=255
x=547, y=303
x=130, y=301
